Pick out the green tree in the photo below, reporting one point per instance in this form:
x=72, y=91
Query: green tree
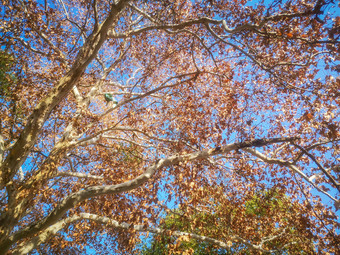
x=164, y=244
x=260, y=207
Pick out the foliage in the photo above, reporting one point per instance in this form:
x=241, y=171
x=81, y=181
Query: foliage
x=262, y=206
x=164, y=244
x=225, y=107
x=6, y=77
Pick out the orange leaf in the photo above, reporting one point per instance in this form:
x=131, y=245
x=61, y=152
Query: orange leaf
x=289, y=35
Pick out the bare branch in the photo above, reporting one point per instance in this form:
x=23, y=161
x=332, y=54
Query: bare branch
x=78, y=175
x=205, y=21
x=29, y=47
x=113, y=34
x=337, y=185
x=125, y=140
x=290, y=165
x=162, y=86
x=95, y=11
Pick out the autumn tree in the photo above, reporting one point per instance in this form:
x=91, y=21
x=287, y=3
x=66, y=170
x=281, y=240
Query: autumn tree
x=127, y=107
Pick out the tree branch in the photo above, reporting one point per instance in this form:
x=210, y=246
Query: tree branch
x=94, y=191
x=78, y=175
x=28, y=137
x=36, y=241
x=52, y=230
x=162, y=86
x=288, y=164
x=2, y=147
x=337, y=185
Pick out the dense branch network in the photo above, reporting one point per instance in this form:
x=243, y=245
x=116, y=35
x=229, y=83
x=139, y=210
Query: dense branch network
x=53, y=229
x=94, y=130
x=77, y=197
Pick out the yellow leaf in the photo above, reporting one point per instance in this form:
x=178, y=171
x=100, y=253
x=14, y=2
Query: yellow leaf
x=184, y=238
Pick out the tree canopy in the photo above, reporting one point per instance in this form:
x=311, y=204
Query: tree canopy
x=219, y=219
x=116, y=112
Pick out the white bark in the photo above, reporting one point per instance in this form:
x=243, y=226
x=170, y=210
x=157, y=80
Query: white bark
x=78, y=175
x=108, y=222
x=290, y=165
x=73, y=199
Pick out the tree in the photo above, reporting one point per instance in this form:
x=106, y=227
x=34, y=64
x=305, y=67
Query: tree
x=165, y=244
x=237, y=95
x=223, y=218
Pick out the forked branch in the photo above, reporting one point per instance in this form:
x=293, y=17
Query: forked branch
x=53, y=229
x=73, y=199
